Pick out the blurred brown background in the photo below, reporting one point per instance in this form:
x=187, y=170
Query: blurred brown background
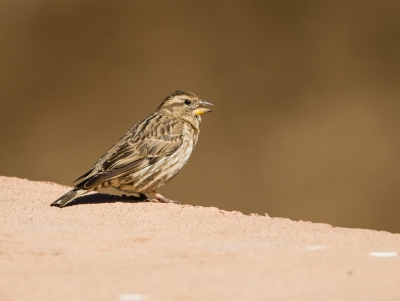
x=306, y=93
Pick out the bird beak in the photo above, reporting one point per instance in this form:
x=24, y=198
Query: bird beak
x=202, y=108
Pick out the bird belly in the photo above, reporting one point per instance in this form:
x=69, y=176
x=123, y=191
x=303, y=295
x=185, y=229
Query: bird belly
x=153, y=177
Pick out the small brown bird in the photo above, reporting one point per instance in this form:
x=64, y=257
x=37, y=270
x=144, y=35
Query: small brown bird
x=150, y=154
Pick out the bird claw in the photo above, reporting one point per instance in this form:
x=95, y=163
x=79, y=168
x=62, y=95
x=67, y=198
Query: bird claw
x=174, y=202
x=153, y=200
x=162, y=199
x=165, y=200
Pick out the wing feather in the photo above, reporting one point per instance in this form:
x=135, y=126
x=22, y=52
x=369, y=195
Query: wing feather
x=152, y=139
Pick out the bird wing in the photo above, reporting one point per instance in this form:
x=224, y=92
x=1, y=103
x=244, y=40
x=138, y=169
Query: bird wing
x=152, y=139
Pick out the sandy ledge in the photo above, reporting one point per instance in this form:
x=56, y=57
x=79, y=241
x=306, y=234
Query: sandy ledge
x=109, y=248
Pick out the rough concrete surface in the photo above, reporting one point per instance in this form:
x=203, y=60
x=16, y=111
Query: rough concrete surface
x=106, y=247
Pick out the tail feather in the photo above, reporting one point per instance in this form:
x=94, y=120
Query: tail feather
x=68, y=197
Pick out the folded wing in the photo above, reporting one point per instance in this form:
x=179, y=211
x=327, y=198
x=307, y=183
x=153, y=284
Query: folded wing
x=152, y=139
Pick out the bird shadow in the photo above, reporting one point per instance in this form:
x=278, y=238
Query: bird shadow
x=101, y=198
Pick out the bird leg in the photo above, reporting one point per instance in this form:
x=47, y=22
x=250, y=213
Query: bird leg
x=159, y=198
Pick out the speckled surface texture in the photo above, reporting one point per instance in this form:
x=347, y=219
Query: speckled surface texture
x=106, y=247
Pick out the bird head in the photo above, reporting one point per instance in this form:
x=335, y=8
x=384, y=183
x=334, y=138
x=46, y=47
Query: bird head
x=185, y=105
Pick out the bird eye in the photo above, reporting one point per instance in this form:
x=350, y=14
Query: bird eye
x=188, y=102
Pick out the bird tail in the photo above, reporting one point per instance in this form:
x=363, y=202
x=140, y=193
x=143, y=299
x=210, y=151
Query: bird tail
x=68, y=197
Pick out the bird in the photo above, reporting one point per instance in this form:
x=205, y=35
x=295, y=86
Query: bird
x=150, y=153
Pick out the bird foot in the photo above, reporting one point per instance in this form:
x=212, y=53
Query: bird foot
x=159, y=198
x=164, y=200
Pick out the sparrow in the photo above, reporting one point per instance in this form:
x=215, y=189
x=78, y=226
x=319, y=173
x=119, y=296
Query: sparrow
x=150, y=153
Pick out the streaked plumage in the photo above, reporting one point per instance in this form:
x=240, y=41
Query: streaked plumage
x=150, y=154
